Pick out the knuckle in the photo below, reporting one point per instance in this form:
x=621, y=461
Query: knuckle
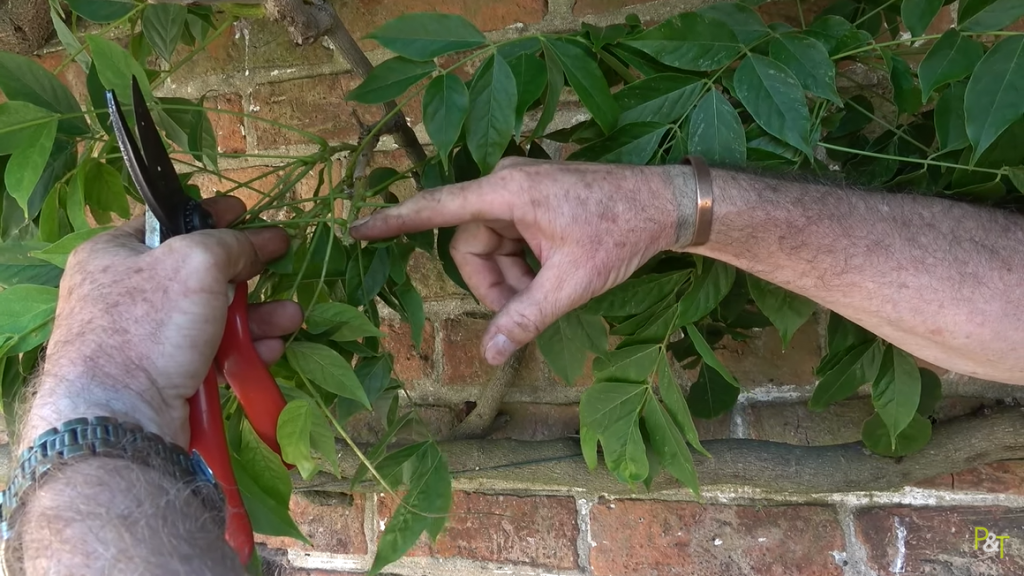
x=525, y=325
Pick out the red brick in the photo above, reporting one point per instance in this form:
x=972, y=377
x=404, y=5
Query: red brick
x=71, y=76
x=464, y=365
x=943, y=21
x=760, y=359
x=332, y=529
x=228, y=127
x=363, y=16
x=589, y=7
x=996, y=477
x=316, y=105
x=796, y=424
x=539, y=531
x=787, y=11
x=644, y=537
x=411, y=366
x=937, y=541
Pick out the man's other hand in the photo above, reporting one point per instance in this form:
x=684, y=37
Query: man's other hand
x=589, y=225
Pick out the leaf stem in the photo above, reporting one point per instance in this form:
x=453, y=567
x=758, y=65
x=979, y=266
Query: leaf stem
x=924, y=161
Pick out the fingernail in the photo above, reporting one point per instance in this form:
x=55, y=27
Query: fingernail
x=498, y=350
x=360, y=222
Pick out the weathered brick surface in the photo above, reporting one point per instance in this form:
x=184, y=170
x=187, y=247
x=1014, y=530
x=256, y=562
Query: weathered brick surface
x=429, y=278
x=760, y=360
x=363, y=16
x=642, y=538
x=228, y=127
x=460, y=348
x=997, y=477
x=411, y=365
x=535, y=422
x=316, y=105
x=540, y=531
x=796, y=424
x=591, y=7
x=789, y=13
x=940, y=541
x=333, y=529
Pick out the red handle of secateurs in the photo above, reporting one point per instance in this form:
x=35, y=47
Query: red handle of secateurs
x=262, y=402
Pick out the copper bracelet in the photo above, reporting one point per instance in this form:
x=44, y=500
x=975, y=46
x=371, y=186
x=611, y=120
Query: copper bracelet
x=705, y=200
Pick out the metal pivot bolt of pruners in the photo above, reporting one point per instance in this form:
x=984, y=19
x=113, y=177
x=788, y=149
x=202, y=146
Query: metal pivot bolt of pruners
x=171, y=212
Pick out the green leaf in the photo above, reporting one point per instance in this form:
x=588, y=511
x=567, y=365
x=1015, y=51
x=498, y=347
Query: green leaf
x=708, y=289
x=70, y=42
x=412, y=302
x=445, y=106
x=856, y=117
x=711, y=395
x=636, y=295
x=988, y=15
x=390, y=79
x=631, y=364
x=202, y=140
x=716, y=133
x=588, y=444
x=265, y=486
x=565, y=343
x=708, y=355
x=26, y=312
x=993, y=101
x=601, y=35
x=669, y=445
x=492, y=110
x=856, y=368
x=104, y=191
x=632, y=143
x=300, y=429
x=690, y=41
x=896, y=390
x=906, y=93
x=744, y=21
x=612, y=411
x=58, y=252
x=1017, y=177
x=556, y=81
x=843, y=335
x=918, y=14
x=786, y=310
x=586, y=79
x=327, y=369
x=344, y=322
x=659, y=98
x=424, y=507
x=836, y=34
x=27, y=132
x=116, y=67
x=931, y=392
x=775, y=99
x=102, y=11
x=950, y=122
x=531, y=76
x=672, y=396
x=163, y=24
x=362, y=285
x=24, y=80
x=427, y=35
x=915, y=436
x=808, y=60
x=17, y=267
x=374, y=374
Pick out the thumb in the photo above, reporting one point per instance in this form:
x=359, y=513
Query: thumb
x=233, y=254
x=546, y=299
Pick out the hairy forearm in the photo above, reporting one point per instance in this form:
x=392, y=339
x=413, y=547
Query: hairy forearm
x=937, y=278
x=109, y=516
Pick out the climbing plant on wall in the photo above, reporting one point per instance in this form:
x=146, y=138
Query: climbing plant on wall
x=945, y=117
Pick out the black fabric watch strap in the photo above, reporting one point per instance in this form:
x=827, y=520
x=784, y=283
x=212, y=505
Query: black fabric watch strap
x=105, y=437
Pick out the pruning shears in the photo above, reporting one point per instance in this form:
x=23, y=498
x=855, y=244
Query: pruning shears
x=170, y=212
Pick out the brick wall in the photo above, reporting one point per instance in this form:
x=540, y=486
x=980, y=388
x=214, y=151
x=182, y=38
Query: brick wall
x=518, y=526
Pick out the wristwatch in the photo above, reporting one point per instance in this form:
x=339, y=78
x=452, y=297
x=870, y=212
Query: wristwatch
x=106, y=437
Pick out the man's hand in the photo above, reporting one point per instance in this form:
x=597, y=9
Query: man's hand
x=137, y=329
x=589, y=225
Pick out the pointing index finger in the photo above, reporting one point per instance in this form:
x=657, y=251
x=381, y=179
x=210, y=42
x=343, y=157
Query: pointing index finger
x=452, y=205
